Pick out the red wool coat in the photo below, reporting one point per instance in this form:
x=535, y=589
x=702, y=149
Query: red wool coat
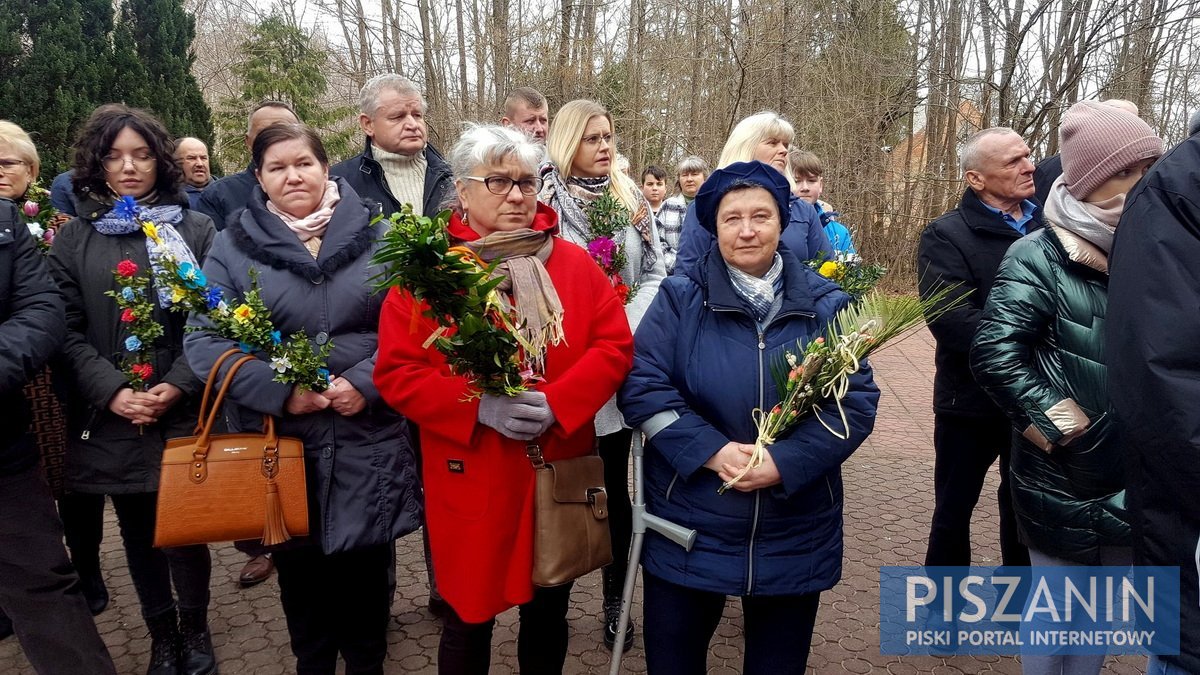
x=478, y=483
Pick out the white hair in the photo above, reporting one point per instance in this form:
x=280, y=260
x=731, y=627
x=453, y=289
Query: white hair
x=368, y=98
x=482, y=144
x=969, y=157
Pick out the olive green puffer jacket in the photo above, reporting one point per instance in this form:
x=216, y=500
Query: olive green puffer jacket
x=1039, y=353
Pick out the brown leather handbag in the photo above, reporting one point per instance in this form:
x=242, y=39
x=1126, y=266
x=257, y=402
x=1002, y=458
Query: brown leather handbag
x=228, y=487
x=570, y=518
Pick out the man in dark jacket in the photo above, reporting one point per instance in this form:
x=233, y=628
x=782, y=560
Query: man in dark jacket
x=224, y=198
x=398, y=166
x=964, y=247
x=38, y=588
x=192, y=155
x=1154, y=377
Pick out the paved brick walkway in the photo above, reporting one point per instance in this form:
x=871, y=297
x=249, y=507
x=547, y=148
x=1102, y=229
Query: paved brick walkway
x=889, y=499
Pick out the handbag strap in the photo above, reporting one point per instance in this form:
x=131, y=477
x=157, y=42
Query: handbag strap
x=202, y=443
x=208, y=387
x=534, y=452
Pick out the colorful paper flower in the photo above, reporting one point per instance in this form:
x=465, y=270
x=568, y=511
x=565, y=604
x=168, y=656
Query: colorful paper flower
x=142, y=370
x=127, y=268
x=276, y=338
x=192, y=275
x=602, y=250
x=132, y=343
x=212, y=298
x=280, y=364
x=151, y=231
x=127, y=294
x=178, y=294
x=125, y=208
x=36, y=230
x=127, y=316
x=243, y=313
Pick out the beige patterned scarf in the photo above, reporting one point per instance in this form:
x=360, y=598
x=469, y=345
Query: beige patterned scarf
x=523, y=254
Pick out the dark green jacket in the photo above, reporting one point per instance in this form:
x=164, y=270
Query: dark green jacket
x=1039, y=353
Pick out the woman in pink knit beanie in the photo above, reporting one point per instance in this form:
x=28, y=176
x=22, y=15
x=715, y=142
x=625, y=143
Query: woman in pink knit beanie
x=1039, y=353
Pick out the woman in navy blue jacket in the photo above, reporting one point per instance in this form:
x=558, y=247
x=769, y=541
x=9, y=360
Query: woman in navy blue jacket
x=765, y=137
x=702, y=363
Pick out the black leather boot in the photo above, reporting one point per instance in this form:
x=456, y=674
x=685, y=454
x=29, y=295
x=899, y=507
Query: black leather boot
x=198, y=657
x=164, y=644
x=94, y=591
x=613, y=585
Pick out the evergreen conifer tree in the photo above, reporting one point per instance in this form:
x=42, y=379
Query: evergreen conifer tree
x=152, y=58
x=53, y=56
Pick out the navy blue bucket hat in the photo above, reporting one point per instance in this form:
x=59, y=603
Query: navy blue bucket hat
x=739, y=175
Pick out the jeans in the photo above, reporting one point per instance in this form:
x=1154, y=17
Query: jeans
x=1070, y=664
x=39, y=588
x=466, y=648
x=336, y=603
x=1156, y=666
x=680, y=622
x=965, y=449
x=154, y=570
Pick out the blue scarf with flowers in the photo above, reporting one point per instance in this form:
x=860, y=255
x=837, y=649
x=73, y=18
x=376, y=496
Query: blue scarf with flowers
x=127, y=217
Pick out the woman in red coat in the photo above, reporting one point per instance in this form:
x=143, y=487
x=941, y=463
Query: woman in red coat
x=478, y=481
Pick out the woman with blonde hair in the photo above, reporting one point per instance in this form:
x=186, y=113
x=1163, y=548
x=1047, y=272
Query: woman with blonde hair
x=582, y=168
x=765, y=137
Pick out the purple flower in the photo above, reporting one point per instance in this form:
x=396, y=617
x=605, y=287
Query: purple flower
x=602, y=250
x=31, y=209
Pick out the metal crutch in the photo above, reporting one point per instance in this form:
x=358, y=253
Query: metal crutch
x=641, y=521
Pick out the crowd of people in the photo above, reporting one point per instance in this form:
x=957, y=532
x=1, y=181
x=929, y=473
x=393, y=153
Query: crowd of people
x=712, y=287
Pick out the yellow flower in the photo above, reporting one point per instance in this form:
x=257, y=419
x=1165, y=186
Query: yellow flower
x=177, y=294
x=243, y=313
x=151, y=231
x=829, y=269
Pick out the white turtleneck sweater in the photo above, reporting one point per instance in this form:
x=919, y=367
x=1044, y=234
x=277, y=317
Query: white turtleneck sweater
x=405, y=176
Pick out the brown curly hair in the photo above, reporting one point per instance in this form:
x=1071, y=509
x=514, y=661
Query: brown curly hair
x=96, y=139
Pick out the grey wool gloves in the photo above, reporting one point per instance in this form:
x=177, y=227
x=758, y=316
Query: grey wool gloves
x=523, y=417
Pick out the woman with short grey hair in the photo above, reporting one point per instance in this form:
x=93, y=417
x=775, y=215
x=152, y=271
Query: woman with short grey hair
x=478, y=479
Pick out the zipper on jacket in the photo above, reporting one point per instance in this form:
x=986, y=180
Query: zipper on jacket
x=762, y=347
x=671, y=486
x=87, y=428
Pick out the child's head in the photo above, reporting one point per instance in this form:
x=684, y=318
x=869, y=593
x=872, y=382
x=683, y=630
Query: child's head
x=807, y=171
x=654, y=185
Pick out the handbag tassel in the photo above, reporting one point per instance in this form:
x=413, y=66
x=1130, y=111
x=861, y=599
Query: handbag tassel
x=274, y=531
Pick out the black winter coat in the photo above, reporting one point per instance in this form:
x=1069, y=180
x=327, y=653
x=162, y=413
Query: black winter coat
x=366, y=176
x=106, y=453
x=224, y=198
x=1039, y=353
x=32, y=324
x=1154, y=373
x=964, y=247
x=362, y=474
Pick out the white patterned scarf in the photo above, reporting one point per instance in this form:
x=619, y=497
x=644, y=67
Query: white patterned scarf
x=758, y=292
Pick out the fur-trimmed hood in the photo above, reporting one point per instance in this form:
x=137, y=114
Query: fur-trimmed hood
x=264, y=237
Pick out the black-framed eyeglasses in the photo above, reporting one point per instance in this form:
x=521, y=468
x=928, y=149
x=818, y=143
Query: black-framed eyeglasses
x=502, y=185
